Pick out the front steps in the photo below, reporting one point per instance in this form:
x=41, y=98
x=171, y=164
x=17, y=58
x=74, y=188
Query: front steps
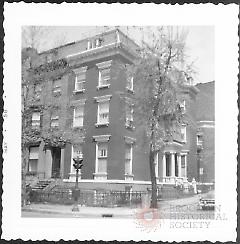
x=41, y=185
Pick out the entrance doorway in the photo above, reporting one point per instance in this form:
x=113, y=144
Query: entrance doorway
x=56, y=160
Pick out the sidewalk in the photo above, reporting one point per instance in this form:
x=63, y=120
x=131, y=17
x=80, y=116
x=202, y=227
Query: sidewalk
x=97, y=212
x=83, y=210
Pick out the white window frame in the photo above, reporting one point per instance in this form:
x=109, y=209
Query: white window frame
x=129, y=141
x=99, y=100
x=78, y=72
x=57, y=89
x=101, y=139
x=74, y=116
x=129, y=121
x=183, y=105
x=184, y=133
x=199, y=142
x=130, y=160
x=37, y=121
x=103, y=66
x=54, y=118
x=33, y=158
x=130, y=81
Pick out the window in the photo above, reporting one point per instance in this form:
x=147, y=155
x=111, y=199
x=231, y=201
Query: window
x=130, y=83
x=33, y=159
x=183, y=161
x=104, y=77
x=103, y=113
x=183, y=133
x=57, y=86
x=201, y=171
x=102, y=154
x=103, y=109
x=183, y=105
x=54, y=120
x=36, y=120
x=76, y=152
x=78, y=116
x=199, y=140
x=129, y=115
x=37, y=90
x=94, y=43
x=104, y=74
x=128, y=159
x=80, y=79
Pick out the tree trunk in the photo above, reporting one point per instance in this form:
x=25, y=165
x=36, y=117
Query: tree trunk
x=153, y=178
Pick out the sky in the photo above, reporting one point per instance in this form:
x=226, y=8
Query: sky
x=199, y=43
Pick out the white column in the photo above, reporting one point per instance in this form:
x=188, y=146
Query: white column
x=185, y=158
x=172, y=164
x=62, y=163
x=156, y=164
x=164, y=166
x=179, y=165
x=48, y=166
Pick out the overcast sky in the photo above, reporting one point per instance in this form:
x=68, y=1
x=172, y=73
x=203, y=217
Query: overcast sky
x=199, y=43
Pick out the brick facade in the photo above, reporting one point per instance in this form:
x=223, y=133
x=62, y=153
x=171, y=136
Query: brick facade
x=104, y=145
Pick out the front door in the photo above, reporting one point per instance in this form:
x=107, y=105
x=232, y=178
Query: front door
x=56, y=159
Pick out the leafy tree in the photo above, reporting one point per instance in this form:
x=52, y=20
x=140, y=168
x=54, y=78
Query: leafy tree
x=158, y=75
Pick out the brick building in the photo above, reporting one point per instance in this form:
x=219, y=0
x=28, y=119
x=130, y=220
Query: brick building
x=82, y=99
x=206, y=130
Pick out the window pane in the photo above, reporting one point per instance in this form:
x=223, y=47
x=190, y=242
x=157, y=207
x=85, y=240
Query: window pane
x=36, y=116
x=103, y=112
x=102, y=149
x=79, y=86
x=81, y=76
x=33, y=165
x=33, y=152
x=102, y=165
x=79, y=111
x=183, y=161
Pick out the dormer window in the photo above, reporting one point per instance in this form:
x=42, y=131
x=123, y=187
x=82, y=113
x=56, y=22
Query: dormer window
x=95, y=43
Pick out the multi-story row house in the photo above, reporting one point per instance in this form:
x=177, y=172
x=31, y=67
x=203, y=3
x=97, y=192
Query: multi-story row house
x=206, y=132
x=81, y=101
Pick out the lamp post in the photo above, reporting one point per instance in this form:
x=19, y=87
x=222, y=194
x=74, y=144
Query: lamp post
x=78, y=163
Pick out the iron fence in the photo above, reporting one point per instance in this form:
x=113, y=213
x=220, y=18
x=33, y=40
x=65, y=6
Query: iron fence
x=91, y=198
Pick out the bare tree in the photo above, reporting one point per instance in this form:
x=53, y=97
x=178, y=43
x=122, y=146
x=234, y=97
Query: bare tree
x=158, y=75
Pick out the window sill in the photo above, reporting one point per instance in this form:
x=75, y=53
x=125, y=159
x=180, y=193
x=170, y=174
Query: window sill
x=78, y=91
x=102, y=125
x=102, y=157
x=100, y=176
x=128, y=176
x=103, y=86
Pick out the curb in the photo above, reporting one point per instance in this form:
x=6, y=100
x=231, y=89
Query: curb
x=99, y=215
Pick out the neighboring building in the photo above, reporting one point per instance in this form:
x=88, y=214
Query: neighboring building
x=205, y=118
x=82, y=101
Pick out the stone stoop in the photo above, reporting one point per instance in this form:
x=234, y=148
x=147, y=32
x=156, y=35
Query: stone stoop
x=41, y=185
